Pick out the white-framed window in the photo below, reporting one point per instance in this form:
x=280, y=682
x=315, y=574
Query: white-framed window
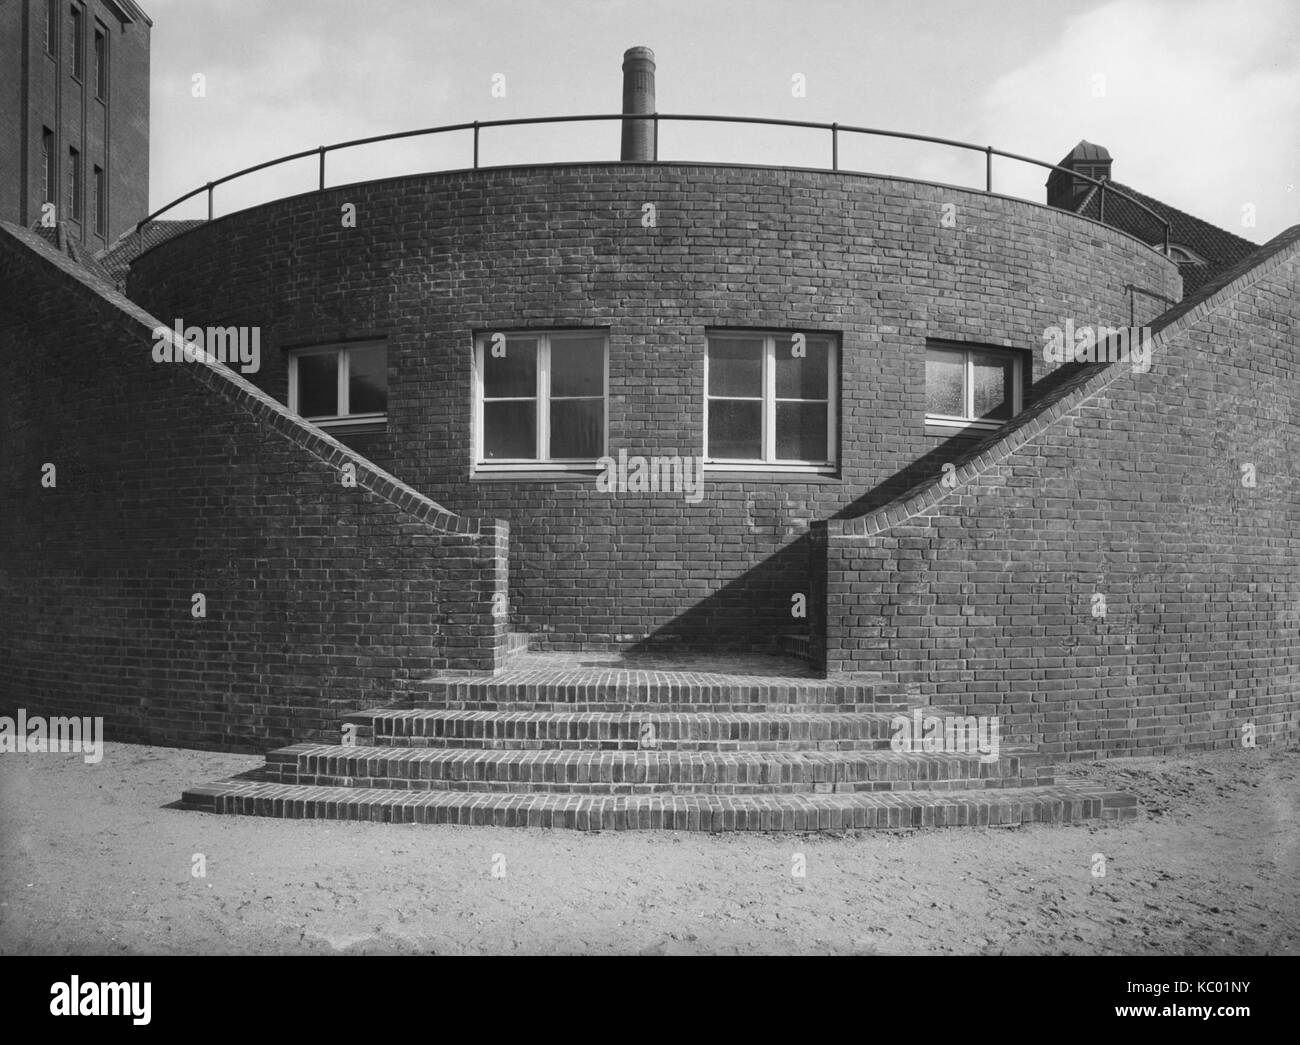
x=771, y=401
x=337, y=385
x=540, y=400
x=971, y=386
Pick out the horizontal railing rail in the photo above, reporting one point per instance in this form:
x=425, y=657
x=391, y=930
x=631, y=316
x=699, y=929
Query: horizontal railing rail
x=835, y=129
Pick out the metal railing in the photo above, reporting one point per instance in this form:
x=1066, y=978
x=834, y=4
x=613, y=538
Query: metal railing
x=836, y=129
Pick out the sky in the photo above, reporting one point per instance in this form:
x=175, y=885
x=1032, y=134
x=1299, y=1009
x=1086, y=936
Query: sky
x=1198, y=101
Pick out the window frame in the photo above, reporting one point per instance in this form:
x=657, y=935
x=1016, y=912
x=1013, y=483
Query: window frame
x=968, y=386
x=78, y=22
x=769, y=462
x=53, y=27
x=342, y=392
x=542, y=398
x=76, y=185
x=100, y=57
x=50, y=158
x=99, y=187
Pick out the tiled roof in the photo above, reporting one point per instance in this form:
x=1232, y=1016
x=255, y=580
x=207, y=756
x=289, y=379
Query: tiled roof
x=1220, y=248
x=118, y=257
x=57, y=237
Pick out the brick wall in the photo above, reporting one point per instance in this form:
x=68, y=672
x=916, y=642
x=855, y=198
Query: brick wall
x=436, y=258
x=180, y=478
x=1122, y=486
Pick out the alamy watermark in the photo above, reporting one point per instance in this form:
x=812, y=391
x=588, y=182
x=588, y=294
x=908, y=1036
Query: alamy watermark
x=952, y=734
x=637, y=474
x=1100, y=344
x=39, y=735
x=229, y=345
x=74, y=998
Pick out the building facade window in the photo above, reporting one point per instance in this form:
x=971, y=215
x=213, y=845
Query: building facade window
x=74, y=184
x=101, y=64
x=78, y=42
x=340, y=385
x=540, y=400
x=771, y=401
x=51, y=171
x=101, y=202
x=972, y=386
x=52, y=27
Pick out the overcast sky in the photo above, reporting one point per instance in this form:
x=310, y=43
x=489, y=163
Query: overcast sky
x=1197, y=100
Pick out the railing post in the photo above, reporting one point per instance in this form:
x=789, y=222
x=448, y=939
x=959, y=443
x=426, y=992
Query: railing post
x=988, y=168
x=1101, y=203
x=1166, y=237
x=835, y=146
x=656, y=130
x=476, y=144
x=322, y=166
x=209, y=201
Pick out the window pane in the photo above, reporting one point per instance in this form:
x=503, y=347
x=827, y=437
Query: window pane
x=735, y=429
x=577, y=365
x=368, y=380
x=578, y=428
x=509, y=431
x=318, y=385
x=944, y=388
x=801, y=377
x=801, y=431
x=736, y=367
x=994, y=379
x=513, y=374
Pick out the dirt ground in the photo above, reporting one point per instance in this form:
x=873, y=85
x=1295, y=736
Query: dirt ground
x=92, y=862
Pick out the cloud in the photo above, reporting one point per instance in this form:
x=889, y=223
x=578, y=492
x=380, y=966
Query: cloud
x=1197, y=102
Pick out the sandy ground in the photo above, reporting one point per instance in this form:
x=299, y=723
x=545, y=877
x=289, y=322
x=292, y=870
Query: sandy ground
x=92, y=862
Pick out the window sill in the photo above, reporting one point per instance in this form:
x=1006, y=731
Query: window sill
x=342, y=426
x=970, y=428
x=758, y=473
x=536, y=475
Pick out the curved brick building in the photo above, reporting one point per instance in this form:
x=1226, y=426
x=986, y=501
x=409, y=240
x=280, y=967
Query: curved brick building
x=658, y=410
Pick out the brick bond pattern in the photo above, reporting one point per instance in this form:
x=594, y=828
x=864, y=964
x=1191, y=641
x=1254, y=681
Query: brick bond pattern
x=431, y=761
x=182, y=478
x=1124, y=484
x=801, y=813
x=436, y=258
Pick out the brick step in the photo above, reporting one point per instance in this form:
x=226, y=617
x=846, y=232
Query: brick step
x=698, y=812
x=624, y=731
x=533, y=683
x=463, y=695
x=637, y=771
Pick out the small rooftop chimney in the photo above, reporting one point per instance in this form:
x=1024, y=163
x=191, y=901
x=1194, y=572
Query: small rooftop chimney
x=638, y=97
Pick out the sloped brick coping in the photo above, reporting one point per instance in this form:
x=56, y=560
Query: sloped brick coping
x=1092, y=379
x=268, y=412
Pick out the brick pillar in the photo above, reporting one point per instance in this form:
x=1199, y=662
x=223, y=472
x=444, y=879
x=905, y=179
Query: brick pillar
x=638, y=97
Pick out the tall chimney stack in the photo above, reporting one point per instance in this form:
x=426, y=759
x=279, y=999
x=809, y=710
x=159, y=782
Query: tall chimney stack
x=638, y=97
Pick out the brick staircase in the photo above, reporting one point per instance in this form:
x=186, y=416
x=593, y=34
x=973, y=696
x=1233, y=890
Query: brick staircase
x=600, y=742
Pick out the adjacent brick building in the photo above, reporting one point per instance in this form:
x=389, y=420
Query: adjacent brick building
x=74, y=90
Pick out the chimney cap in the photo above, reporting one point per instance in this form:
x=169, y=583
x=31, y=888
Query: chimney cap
x=633, y=54
x=1087, y=152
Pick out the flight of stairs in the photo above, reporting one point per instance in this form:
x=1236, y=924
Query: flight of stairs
x=599, y=743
